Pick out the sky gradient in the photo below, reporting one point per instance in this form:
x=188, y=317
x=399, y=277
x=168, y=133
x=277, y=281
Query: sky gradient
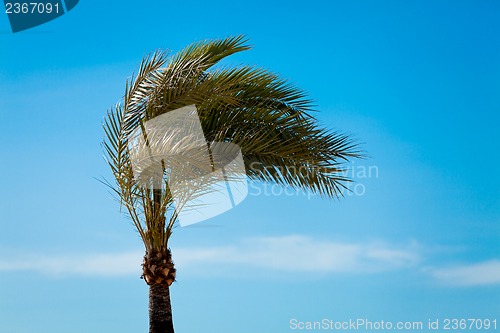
x=417, y=83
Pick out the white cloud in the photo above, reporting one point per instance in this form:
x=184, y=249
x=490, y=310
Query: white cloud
x=483, y=273
x=268, y=254
x=301, y=254
x=287, y=255
x=86, y=265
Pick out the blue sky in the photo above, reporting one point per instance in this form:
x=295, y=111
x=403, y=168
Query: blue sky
x=416, y=82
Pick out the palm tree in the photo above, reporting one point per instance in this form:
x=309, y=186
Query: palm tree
x=267, y=117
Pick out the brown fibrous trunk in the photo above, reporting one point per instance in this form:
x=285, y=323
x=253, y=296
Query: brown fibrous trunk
x=159, y=274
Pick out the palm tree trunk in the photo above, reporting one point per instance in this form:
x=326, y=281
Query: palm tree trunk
x=160, y=309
